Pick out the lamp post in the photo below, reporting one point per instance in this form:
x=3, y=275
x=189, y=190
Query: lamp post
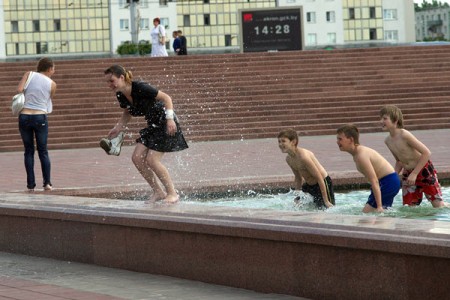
x=134, y=19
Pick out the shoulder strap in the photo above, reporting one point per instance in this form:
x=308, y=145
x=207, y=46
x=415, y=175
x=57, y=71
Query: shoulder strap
x=28, y=80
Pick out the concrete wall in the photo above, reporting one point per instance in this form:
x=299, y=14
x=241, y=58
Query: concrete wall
x=310, y=255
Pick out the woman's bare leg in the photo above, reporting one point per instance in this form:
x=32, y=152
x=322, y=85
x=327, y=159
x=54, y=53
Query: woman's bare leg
x=154, y=162
x=139, y=159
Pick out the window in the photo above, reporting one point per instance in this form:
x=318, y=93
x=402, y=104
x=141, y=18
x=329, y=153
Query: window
x=373, y=33
x=311, y=17
x=124, y=24
x=390, y=14
x=331, y=38
x=311, y=39
x=227, y=40
x=205, y=1
x=41, y=48
x=57, y=25
x=143, y=3
x=36, y=26
x=163, y=2
x=331, y=18
x=372, y=12
x=165, y=22
x=351, y=13
x=186, y=20
x=14, y=26
x=391, y=35
x=144, y=24
x=206, y=19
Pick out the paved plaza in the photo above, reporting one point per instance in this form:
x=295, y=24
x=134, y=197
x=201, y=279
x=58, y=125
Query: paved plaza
x=207, y=163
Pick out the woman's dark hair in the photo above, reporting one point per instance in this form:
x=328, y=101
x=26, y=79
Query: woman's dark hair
x=118, y=71
x=44, y=64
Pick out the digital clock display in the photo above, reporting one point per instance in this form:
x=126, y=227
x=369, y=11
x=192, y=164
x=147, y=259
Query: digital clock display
x=275, y=29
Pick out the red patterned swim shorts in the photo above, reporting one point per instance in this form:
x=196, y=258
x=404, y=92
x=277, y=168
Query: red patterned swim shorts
x=426, y=183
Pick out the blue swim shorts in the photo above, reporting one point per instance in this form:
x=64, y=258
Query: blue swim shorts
x=389, y=186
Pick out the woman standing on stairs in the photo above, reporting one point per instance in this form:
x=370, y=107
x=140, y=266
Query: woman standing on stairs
x=33, y=121
x=163, y=133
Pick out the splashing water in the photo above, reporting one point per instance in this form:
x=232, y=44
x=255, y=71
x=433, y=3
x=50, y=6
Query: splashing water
x=350, y=203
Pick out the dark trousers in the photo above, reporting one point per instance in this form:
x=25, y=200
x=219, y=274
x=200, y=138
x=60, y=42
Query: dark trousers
x=31, y=127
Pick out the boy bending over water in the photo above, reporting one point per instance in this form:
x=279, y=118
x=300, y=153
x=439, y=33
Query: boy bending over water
x=412, y=160
x=384, y=182
x=307, y=168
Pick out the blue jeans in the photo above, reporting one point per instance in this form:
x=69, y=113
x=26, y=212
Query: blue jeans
x=31, y=126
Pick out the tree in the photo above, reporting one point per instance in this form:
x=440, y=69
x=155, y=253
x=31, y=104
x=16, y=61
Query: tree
x=425, y=5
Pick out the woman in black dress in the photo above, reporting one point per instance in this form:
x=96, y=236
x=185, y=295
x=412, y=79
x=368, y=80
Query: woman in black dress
x=163, y=133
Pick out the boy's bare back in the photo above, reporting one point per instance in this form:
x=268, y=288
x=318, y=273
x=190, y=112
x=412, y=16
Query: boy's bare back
x=368, y=160
x=304, y=162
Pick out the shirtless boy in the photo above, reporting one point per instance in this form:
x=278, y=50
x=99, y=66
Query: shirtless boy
x=384, y=182
x=307, y=169
x=412, y=160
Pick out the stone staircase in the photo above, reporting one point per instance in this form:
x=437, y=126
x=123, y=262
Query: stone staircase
x=245, y=96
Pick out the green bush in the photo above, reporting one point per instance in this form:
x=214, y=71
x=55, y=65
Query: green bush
x=433, y=39
x=127, y=48
x=145, y=48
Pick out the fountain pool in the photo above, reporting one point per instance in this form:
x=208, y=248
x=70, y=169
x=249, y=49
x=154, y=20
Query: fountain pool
x=346, y=203
x=281, y=249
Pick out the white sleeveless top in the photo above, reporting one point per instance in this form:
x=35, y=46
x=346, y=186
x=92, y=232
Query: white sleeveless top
x=37, y=94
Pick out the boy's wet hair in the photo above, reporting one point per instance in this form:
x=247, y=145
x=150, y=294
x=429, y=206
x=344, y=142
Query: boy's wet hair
x=290, y=134
x=350, y=131
x=394, y=113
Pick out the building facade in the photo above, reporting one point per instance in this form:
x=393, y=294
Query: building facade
x=55, y=27
x=346, y=22
x=145, y=12
x=214, y=23
x=398, y=21
x=71, y=27
x=433, y=24
x=323, y=21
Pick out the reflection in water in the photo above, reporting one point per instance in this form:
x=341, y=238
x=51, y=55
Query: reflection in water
x=346, y=203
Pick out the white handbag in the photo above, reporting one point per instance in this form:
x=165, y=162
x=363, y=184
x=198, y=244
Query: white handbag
x=18, y=100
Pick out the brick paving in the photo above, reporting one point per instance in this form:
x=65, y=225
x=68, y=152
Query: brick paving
x=207, y=164
x=34, y=278
x=15, y=288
